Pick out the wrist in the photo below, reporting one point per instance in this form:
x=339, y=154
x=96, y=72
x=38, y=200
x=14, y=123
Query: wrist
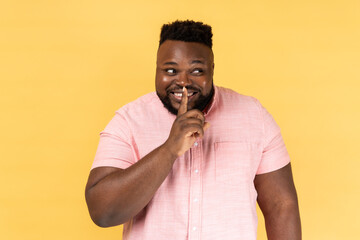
x=168, y=149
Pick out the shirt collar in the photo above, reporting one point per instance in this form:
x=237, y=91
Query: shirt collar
x=211, y=104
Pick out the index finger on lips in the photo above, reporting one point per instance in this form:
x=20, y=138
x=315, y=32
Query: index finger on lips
x=183, y=103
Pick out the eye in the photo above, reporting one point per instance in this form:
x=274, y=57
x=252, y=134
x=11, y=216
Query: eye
x=197, y=71
x=170, y=71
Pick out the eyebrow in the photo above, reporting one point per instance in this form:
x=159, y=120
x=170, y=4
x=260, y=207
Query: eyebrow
x=192, y=62
x=170, y=63
x=197, y=61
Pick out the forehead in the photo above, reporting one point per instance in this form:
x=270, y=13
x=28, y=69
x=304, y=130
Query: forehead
x=177, y=51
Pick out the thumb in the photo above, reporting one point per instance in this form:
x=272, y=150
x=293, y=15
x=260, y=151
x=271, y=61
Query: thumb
x=206, y=126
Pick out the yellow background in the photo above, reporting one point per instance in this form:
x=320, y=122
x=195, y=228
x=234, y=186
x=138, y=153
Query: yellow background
x=66, y=66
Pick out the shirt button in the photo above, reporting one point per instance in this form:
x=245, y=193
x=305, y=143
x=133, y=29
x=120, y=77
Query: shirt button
x=195, y=200
x=194, y=228
x=196, y=171
x=196, y=144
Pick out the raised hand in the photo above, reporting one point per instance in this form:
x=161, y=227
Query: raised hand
x=187, y=127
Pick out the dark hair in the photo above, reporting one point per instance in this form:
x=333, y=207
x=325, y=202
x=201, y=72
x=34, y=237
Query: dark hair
x=187, y=31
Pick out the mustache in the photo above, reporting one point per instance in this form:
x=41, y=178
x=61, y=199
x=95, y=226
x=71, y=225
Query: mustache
x=179, y=88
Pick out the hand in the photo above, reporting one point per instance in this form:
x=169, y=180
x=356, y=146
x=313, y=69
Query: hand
x=187, y=127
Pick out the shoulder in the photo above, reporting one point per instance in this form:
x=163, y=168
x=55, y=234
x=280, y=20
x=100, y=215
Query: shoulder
x=140, y=105
x=233, y=100
x=132, y=114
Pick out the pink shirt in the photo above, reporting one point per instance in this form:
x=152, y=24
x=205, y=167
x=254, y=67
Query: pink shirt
x=209, y=194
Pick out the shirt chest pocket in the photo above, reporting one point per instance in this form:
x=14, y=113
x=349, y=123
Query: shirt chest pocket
x=235, y=162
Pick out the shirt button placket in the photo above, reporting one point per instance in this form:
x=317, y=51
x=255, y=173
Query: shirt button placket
x=195, y=191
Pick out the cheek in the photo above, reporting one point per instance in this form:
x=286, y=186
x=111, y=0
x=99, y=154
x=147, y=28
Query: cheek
x=206, y=84
x=162, y=82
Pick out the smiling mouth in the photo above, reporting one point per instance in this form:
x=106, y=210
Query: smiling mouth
x=178, y=95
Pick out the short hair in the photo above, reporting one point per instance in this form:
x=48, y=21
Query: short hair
x=187, y=31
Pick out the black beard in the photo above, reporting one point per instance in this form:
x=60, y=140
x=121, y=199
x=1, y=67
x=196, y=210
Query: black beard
x=200, y=104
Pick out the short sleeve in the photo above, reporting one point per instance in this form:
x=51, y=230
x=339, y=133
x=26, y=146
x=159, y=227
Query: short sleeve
x=115, y=146
x=274, y=155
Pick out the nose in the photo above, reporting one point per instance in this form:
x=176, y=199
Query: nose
x=183, y=80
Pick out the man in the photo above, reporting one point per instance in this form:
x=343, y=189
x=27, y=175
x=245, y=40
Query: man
x=190, y=161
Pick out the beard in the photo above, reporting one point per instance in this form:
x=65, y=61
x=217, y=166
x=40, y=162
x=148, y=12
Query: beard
x=199, y=104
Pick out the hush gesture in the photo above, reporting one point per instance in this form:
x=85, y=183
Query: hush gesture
x=187, y=128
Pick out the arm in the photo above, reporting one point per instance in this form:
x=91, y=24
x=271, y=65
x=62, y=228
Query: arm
x=278, y=201
x=115, y=195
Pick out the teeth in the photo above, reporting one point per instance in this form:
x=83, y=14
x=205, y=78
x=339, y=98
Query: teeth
x=180, y=94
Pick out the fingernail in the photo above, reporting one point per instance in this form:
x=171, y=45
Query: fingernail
x=183, y=89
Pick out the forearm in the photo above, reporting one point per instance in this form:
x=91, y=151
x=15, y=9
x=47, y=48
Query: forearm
x=122, y=194
x=283, y=222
